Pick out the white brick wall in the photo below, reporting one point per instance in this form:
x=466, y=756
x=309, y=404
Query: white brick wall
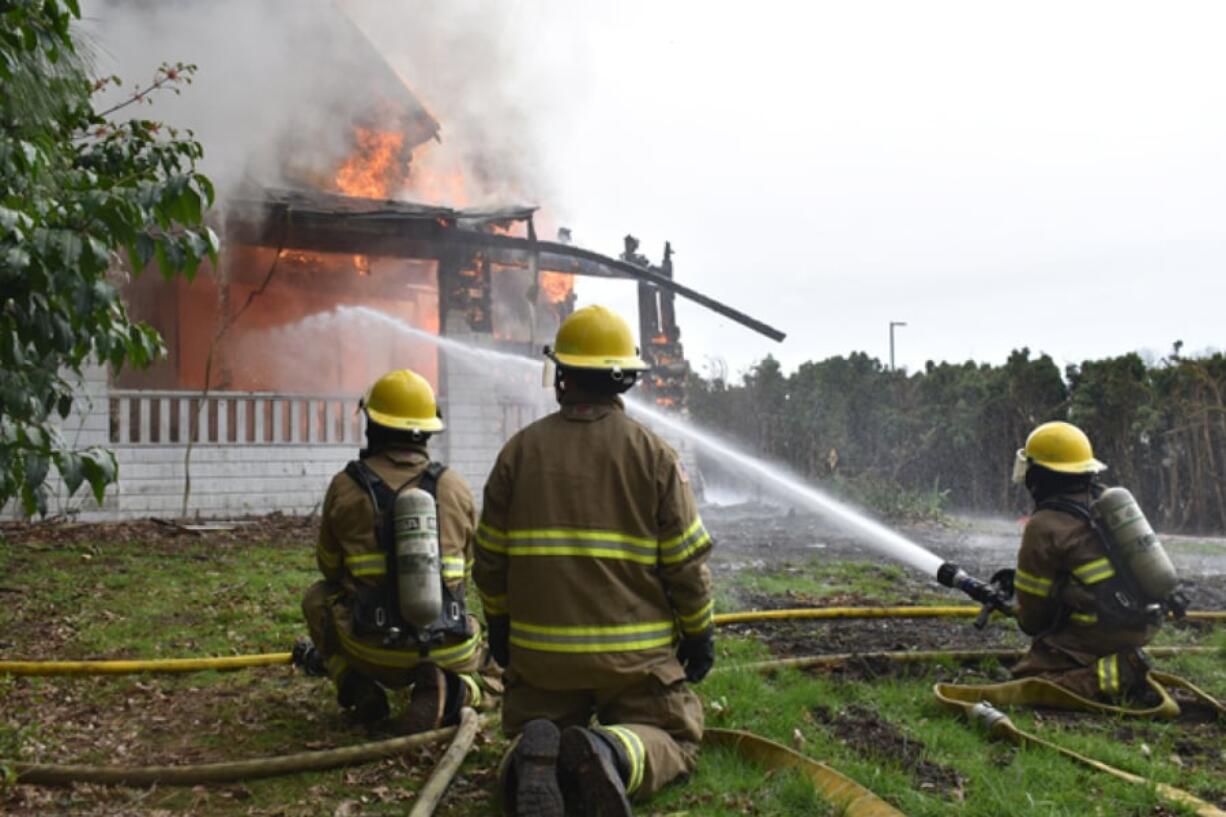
x=482, y=409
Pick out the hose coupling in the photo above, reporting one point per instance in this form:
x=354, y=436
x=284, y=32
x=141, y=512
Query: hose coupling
x=986, y=716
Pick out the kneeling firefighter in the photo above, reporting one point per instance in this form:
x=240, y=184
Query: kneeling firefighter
x=591, y=564
x=1093, y=583
x=395, y=548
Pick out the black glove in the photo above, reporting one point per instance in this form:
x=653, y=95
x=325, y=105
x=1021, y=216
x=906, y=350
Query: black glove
x=697, y=655
x=499, y=628
x=1002, y=580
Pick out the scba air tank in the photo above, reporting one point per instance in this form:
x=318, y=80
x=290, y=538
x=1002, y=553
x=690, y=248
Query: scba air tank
x=419, y=588
x=1138, y=547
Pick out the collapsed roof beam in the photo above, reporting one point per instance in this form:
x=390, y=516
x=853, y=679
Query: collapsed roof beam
x=583, y=260
x=427, y=234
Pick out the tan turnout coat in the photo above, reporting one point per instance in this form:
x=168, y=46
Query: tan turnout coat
x=591, y=542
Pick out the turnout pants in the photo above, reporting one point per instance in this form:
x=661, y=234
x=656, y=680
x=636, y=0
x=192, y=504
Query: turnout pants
x=330, y=623
x=1105, y=678
x=655, y=717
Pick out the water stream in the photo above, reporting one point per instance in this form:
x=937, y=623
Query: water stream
x=772, y=476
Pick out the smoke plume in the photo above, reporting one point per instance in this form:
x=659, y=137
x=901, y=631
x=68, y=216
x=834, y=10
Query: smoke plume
x=281, y=85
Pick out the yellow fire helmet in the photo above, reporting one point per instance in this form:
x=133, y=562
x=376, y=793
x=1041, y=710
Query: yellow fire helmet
x=402, y=399
x=596, y=338
x=1057, y=446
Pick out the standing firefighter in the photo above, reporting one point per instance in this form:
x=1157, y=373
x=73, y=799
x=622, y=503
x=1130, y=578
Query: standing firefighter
x=591, y=564
x=395, y=548
x=1093, y=583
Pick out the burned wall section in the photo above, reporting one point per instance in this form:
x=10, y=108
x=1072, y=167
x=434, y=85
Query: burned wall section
x=292, y=323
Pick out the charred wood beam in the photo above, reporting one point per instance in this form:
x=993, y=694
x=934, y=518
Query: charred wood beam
x=550, y=248
x=408, y=237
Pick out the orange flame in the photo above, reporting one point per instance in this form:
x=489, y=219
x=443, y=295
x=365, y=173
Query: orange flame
x=375, y=170
x=557, y=286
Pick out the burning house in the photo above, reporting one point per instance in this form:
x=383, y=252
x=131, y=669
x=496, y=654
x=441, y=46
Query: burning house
x=351, y=268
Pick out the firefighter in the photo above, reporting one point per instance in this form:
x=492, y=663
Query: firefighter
x=591, y=565
x=1068, y=583
x=359, y=637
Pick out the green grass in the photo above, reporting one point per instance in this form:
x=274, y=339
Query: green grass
x=190, y=597
x=822, y=579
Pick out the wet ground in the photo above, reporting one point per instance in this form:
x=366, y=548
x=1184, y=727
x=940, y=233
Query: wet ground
x=759, y=536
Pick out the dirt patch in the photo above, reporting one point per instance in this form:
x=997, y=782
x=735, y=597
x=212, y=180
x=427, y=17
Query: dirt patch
x=173, y=535
x=869, y=734
x=818, y=637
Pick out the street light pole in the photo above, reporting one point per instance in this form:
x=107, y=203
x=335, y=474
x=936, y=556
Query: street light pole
x=892, y=325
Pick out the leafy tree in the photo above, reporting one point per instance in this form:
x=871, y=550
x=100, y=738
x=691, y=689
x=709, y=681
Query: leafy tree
x=81, y=195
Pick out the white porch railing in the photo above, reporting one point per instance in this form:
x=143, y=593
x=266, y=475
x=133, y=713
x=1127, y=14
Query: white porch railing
x=141, y=417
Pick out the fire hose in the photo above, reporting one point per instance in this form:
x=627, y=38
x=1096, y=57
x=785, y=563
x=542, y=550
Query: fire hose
x=853, y=799
x=232, y=662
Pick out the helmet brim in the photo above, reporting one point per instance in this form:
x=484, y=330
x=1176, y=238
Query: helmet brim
x=626, y=364
x=1090, y=466
x=429, y=425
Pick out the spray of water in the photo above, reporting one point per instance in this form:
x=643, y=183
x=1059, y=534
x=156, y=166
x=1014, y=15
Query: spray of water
x=871, y=532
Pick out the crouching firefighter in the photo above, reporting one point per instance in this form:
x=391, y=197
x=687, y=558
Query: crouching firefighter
x=591, y=564
x=395, y=548
x=1093, y=583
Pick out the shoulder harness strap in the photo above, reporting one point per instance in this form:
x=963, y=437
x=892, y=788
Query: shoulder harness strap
x=430, y=477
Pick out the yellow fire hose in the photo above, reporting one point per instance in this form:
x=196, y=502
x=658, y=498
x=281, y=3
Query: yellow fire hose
x=847, y=796
x=124, y=667
x=918, y=656
x=891, y=612
x=128, y=667
x=976, y=703
x=853, y=799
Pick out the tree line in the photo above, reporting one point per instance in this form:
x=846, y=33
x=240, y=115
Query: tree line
x=948, y=434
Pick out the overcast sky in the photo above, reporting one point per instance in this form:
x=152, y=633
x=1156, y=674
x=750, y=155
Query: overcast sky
x=997, y=175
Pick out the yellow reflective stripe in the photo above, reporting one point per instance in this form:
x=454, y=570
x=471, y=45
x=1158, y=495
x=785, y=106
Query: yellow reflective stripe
x=1109, y=674
x=367, y=564
x=328, y=558
x=494, y=605
x=1094, y=572
x=678, y=549
x=336, y=667
x=569, y=542
x=690, y=531
x=490, y=538
x=453, y=567
x=633, y=745
x=409, y=657
x=1032, y=584
x=474, y=689
x=1084, y=619
x=698, y=622
x=585, y=639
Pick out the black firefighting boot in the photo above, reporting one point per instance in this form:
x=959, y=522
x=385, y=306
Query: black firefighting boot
x=592, y=772
x=530, y=783
x=362, y=698
x=436, y=700
x=306, y=658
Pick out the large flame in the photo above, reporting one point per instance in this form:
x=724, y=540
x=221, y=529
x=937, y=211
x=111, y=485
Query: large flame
x=376, y=170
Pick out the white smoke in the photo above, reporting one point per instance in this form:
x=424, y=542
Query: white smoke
x=280, y=83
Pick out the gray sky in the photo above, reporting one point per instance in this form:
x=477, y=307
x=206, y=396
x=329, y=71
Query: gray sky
x=997, y=175
x=1042, y=174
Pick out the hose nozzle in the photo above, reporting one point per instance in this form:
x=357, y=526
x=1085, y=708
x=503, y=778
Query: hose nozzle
x=991, y=596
